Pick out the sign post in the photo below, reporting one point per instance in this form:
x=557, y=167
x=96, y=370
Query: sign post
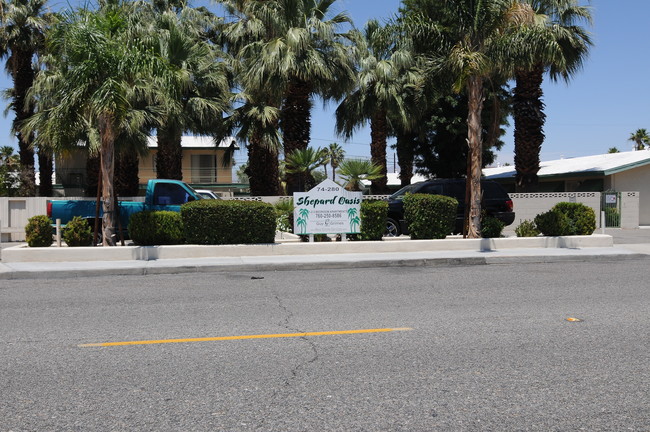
x=327, y=209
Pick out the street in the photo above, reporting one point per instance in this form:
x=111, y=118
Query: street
x=480, y=348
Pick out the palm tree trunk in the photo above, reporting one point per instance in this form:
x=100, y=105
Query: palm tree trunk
x=405, y=153
x=169, y=158
x=127, y=181
x=529, y=127
x=475, y=107
x=107, y=163
x=263, y=170
x=295, y=122
x=378, y=135
x=45, y=169
x=22, y=74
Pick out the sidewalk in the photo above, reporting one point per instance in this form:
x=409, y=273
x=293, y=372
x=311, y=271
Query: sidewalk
x=166, y=260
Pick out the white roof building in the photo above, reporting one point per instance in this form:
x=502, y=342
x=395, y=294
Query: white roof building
x=620, y=172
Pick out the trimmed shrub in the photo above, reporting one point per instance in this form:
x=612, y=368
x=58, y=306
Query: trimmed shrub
x=217, y=222
x=582, y=219
x=491, y=227
x=553, y=223
x=527, y=228
x=373, y=220
x=38, y=231
x=77, y=232
x=148, y=228
x=429, y=216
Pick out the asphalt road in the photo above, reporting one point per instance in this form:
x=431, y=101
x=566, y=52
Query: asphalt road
x=490, y=350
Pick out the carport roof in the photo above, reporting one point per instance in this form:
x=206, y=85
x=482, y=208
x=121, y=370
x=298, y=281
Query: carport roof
x=586, y=166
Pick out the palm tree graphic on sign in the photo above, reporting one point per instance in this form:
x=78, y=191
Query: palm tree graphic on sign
x=303, y=215
x=353, y=218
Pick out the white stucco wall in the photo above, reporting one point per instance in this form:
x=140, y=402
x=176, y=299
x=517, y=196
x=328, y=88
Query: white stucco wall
x=637, y=179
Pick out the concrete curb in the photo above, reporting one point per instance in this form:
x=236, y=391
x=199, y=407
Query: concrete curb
x=311, y=262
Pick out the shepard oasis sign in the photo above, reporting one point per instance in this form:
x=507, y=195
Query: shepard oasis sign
x=327, y=209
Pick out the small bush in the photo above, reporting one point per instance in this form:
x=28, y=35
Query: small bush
x=149, y=228
x=38, y=231
x=429, y=216
x=77, y=232
x=491, y=227
x=228, y=222
x=527, y=228
x=582, y=219
x=553, y=223
x=284, y=215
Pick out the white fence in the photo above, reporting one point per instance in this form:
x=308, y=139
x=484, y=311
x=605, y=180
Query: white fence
x=14, y=212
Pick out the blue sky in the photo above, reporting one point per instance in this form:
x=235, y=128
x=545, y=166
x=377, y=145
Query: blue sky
x=601, y=106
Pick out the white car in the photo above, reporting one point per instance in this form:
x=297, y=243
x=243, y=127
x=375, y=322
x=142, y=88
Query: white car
x=207, y=194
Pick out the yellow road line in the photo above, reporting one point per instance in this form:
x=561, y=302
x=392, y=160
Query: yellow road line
x=263, y=336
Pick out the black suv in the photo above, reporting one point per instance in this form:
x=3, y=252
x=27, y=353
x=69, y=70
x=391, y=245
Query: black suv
x=496, y=202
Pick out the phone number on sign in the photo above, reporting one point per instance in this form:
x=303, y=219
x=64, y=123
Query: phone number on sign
x=335, y=215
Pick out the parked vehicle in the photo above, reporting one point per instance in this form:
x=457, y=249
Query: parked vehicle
x=495, y=202
x=207, y=194
x=160, y=195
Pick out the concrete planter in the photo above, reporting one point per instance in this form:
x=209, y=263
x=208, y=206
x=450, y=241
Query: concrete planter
x=24, y=253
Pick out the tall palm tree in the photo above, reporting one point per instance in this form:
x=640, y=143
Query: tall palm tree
x=305, y=50
x=335, y=155
x=640, y=138
x=258, y=106
x=95, y=76
x=378, y=97
x=22, y=29
x=473, y=47
x=198, y=87
x=552, y=41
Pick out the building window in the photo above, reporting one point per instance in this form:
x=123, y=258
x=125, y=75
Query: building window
x=204, y=168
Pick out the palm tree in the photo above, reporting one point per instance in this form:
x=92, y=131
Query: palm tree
x=23, y=24
x=305, y=51
x=353, y=171
x=554, y=42
x=303, y=162
x=198, y=88
x=379, y=96
x=335, y=155
x=95, y=76
x=473, y=48
x=640, y=139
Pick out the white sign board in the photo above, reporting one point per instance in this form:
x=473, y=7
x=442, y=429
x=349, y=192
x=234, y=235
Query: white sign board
x=327, y=209
x=610, y=199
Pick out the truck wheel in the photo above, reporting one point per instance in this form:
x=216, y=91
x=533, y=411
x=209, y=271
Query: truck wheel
x=392, y=228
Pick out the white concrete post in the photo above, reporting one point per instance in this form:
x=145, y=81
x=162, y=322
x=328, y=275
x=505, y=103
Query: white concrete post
x=603, y=222
x=344, y=237
x=58, y=232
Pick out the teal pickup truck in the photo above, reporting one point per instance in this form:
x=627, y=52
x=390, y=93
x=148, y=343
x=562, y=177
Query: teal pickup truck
x=161, y=195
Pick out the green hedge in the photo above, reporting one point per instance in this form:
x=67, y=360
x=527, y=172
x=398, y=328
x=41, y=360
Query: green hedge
x=217, y=222
x=149, y=228
x=582, y=218
x=430, y=216
x=38, y=231
x=77, y=232
x=567, y=219
x=373, y=220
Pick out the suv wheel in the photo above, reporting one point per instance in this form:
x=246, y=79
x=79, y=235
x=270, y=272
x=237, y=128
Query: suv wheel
x=392, y=228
